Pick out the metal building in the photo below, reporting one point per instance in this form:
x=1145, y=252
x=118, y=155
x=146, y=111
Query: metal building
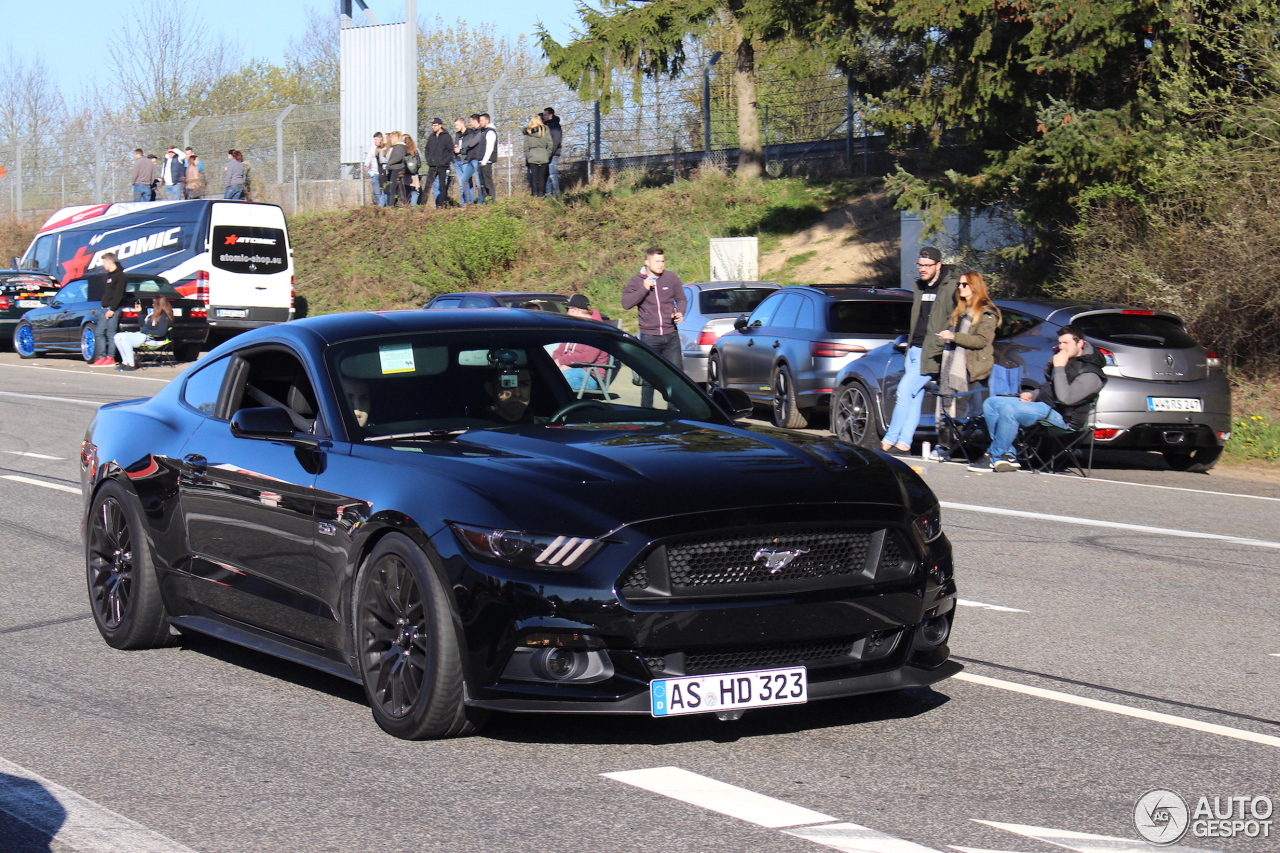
x=378, y=78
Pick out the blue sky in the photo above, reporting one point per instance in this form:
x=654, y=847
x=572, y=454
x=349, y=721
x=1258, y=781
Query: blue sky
x=71, y=35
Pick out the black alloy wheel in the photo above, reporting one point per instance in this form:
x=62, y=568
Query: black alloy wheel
x=786, y=412
x=1197, y=461
x=124, y=594
x=407, y=646
x=851, y=418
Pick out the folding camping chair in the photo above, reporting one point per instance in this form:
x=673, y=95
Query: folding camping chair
x=154, y=352
x=964, y=435
x=603, y=375
x=1045, y=447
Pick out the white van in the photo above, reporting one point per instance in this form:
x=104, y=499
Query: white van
x=233, y=255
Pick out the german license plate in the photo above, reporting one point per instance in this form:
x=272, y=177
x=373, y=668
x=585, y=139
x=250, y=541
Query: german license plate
x=177, y=312
x=30, y=303
x=233, y=312
x=1174, y=404
x=701, y=694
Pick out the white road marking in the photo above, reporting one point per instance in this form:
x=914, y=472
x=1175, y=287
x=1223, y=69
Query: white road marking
x=73, y=820
x=689, y=787
x=31, y=482
x=45, y=397
x=1274, y=655
x=82, y=373
x=851, y=838
x=34, y=455
x=1084, y=842
x=1115, y=525
x=966, y=603
x=1125, y=710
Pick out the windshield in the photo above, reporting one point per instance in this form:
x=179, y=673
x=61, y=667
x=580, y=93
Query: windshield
x=152, y=287
x=553, y=304
x=436, y=382
x=864, y=317
x=736, y=300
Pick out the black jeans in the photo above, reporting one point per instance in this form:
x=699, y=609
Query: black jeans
x=537, y=179
x=667, y=346
x=486, y=180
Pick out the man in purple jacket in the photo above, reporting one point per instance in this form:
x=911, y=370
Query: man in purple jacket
x=658, y=297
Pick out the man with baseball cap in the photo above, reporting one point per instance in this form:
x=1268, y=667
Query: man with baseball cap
x=439, y=150
x=930, y=313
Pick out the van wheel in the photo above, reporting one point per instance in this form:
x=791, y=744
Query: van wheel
x=1198, y=461
x=300, y=307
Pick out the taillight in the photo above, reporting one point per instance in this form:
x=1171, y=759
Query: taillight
x=129, y=313
x=1139, y=312
x=825, y=349
x=1213, y=359
x=707, y=337
x=202, y=286
x=293, y=294
x=198, y=312
x=1108, y=357
x=4, y=303
x=1105, y=434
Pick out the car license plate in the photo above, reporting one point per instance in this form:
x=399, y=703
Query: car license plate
x=1174, y=404
x=30, y=303
x=233, y=312
x=177, y=312
x=700, y=694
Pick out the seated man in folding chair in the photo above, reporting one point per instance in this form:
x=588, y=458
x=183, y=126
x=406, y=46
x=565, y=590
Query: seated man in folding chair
x=585, y=368
x=1073, y=379
x=153, y=327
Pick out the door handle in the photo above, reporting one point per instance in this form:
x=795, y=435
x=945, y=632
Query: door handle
x=751, y=342
x=777, y=344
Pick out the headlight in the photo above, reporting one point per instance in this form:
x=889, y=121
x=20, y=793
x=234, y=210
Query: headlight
x=526, y=550
x=929, y=525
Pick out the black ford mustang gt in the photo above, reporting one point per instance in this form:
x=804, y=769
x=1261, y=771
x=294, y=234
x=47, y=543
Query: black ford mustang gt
x=469, y=511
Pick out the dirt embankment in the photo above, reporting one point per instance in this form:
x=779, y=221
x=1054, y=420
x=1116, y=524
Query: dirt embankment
x=856, y=243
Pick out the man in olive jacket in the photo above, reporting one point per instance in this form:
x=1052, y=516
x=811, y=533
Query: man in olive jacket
x=930, y=313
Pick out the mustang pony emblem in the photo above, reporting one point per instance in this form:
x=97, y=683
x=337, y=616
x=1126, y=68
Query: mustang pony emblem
x=775, y=561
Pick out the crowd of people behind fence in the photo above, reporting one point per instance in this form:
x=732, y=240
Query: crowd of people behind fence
x=181, y=175
x=404, y=172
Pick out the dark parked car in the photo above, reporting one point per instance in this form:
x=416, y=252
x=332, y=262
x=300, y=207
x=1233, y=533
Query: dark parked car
x=1164, y=391
x=69, y=321
x=20, y=291
x=711, y=308
x=787, y=353
x=419, y=502
x=556, y=302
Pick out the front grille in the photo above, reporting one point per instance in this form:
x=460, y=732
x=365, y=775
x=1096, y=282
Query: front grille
x=732, y=659
x=782, y=560
x=819, y=553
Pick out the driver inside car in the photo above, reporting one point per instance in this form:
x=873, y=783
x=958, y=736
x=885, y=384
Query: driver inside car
x=357, y=394
x=510, y=393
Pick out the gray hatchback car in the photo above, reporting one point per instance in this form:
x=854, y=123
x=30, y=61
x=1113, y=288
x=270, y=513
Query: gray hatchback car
x=787, y=353
x=711, y=308
x=1164, y=392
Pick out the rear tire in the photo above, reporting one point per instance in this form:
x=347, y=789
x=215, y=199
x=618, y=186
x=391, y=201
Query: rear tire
x=786, y=412
x=407, y=649
x=89, y=342
x=124, y=593
x=715, y=372
x=1198, y=461
x=187, y=352
x=852, y=419
x=24, y=341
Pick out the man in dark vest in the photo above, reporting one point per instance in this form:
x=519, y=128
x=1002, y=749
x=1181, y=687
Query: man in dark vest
x=1073, y=379
x=108, y=288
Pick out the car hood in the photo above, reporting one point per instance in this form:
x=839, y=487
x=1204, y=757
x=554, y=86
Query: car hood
x=606, y=476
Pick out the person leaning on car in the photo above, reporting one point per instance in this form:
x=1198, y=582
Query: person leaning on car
x=108, y=288
x=1073, y=379
x=657, y=294
x=930, y=313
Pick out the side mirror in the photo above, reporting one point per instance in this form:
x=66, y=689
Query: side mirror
x=269, y=423
x=741, y=322
x=734, y=402
x=900, y=344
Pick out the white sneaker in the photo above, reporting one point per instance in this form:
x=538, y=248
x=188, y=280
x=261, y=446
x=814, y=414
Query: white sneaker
x=940, y=454
x=1006, y=463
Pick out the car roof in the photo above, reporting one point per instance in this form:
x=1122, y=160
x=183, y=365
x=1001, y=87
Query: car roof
x=332, y=328
x=856, y=292
x=728, y=285
x=523, y=294
x=1045, y=309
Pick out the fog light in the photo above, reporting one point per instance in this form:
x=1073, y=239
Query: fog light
x=560, y=664
x=934, y=632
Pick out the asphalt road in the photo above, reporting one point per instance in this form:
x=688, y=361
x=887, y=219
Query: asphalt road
x=1118, y=637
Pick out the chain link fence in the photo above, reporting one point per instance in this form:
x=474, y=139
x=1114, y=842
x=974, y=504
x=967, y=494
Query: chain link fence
x=809, y=126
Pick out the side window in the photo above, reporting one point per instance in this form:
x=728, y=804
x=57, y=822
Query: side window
x=277, y=378
x=763, y=315
x=45, y=254
x=807, y=318
x=200, y=391
x=473, y=302
x=447, y=302
x=76, y=291
x=1012, y=323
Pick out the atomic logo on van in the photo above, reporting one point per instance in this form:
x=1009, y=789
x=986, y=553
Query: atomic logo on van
x=233, y=239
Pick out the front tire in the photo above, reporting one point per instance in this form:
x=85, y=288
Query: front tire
x=786, y=412
x=1197, y=461
x=24, y=341
x=407, y=645
x=124, y=593
x=852, y=419
x=89, y=342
